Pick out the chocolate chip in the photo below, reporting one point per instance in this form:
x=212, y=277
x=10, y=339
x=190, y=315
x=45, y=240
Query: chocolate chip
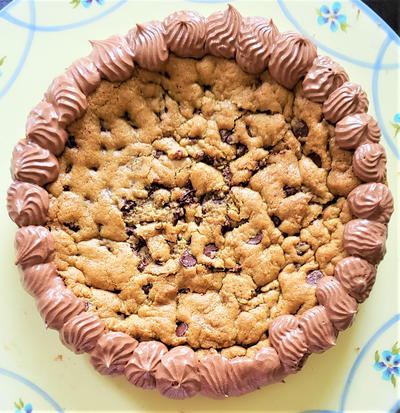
x=102, y=127
x=153, y=187
x=66, y=188
x=315, y=158
x=181, y=328
x=248, y=130
x=68, y=168
x=72, y=226
x=117, y=291
x=184, y=290
x=178, y=214
x=227, y=174
x=255, y=240
x=139, y=245
x=276, y=220
x=258, y=290
x=299, y=128
x=142, y=264
x=71, y=142
x=198, y=220
x=241, y=149
x=130, y=231
x=187, y=260
x=188, y=196
x=314, y=276
x=226, y=136
x=146, y=288
x=301, y=248
x=262, y=164
x=289, y=190
x=158, y=154
x=209, y=250
x=226, y=226
x=128, y=206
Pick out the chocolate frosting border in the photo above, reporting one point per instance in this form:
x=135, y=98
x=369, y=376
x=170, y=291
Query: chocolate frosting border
x=292, y=337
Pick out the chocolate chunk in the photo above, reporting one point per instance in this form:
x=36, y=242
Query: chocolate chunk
x=240, y=149
x=276, y=220
x=314, y=276
x=72, y=226
x=226, y=226
x=71, y=142
x=198, y=220
x=262, y=163
x=68, y=168
x=302, y=248
x=181, y=328
x=158, y=154
x=66, y=188
x=315, y=158
x=209, y=250
x=139, y=245
x=226, y=136
x=188, y=196
x=142, y=264
x=187, y=260
x=129, y=231
x=146, y=288
x=153, y=187
x=258, y=290
x=255, y=240
x=227, y=174
x=289, y=190
x=178, y=214
x=299, y=128
x=184, y=291
x=128, y=206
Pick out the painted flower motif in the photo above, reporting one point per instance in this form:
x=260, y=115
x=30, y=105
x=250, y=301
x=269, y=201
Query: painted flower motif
x=396, y=123
x=2, y=60
x=333, y=17
x=21, y=407
x=86, y=3
x=388, y=363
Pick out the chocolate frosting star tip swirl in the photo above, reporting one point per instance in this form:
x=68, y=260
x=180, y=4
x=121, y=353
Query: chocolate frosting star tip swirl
x=85, y=74
x=369, y=162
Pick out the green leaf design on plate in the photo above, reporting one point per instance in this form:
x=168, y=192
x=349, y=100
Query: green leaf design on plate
x=344, y=27
x=19, y=405
x=377, y=358
x=318, y=11
x=396, y=131
x=395, y=349
x=2, y=60
x=75, y=3
x=393, y=380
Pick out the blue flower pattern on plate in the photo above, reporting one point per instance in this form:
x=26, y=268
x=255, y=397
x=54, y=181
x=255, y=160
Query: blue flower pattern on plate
x=331, y=15
x=396, y=123
x=86, y=3
x=21, y=407
x=389, y=364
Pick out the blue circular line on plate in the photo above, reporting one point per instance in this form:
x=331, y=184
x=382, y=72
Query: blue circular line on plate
x=26, y=25
x=33, y=387
x=25, y=53
x=331, y=51
x=375, y=96
x=378, y=19
x=361, y=355
x=395, y=408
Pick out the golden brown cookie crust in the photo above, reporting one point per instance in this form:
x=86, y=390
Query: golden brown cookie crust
x=210, y=198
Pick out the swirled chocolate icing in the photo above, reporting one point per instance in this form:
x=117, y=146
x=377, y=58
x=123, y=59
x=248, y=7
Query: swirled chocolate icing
x=319, y=331
x=357, y=277
x=32, y=163
x=340, y=307
x=57, y=305
x=27, y=204
x=85, y=74
x=213, y=373
x=142, y=366
x=372, y=201
x=38, y=278
x=366, y=239
x=149, y=46
x=291, y=58
x=289, y=341
x=323, y=78
x=34, y=245
x=254, y=45
x=369, y=162
x=66, y=97
x=354, y=130
x=177, y=374
x=345, y=100
x=113, y=58
x=42, y=127
x=81, y=333
x=185, y=32
x=112, y=353
x=222, y=31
